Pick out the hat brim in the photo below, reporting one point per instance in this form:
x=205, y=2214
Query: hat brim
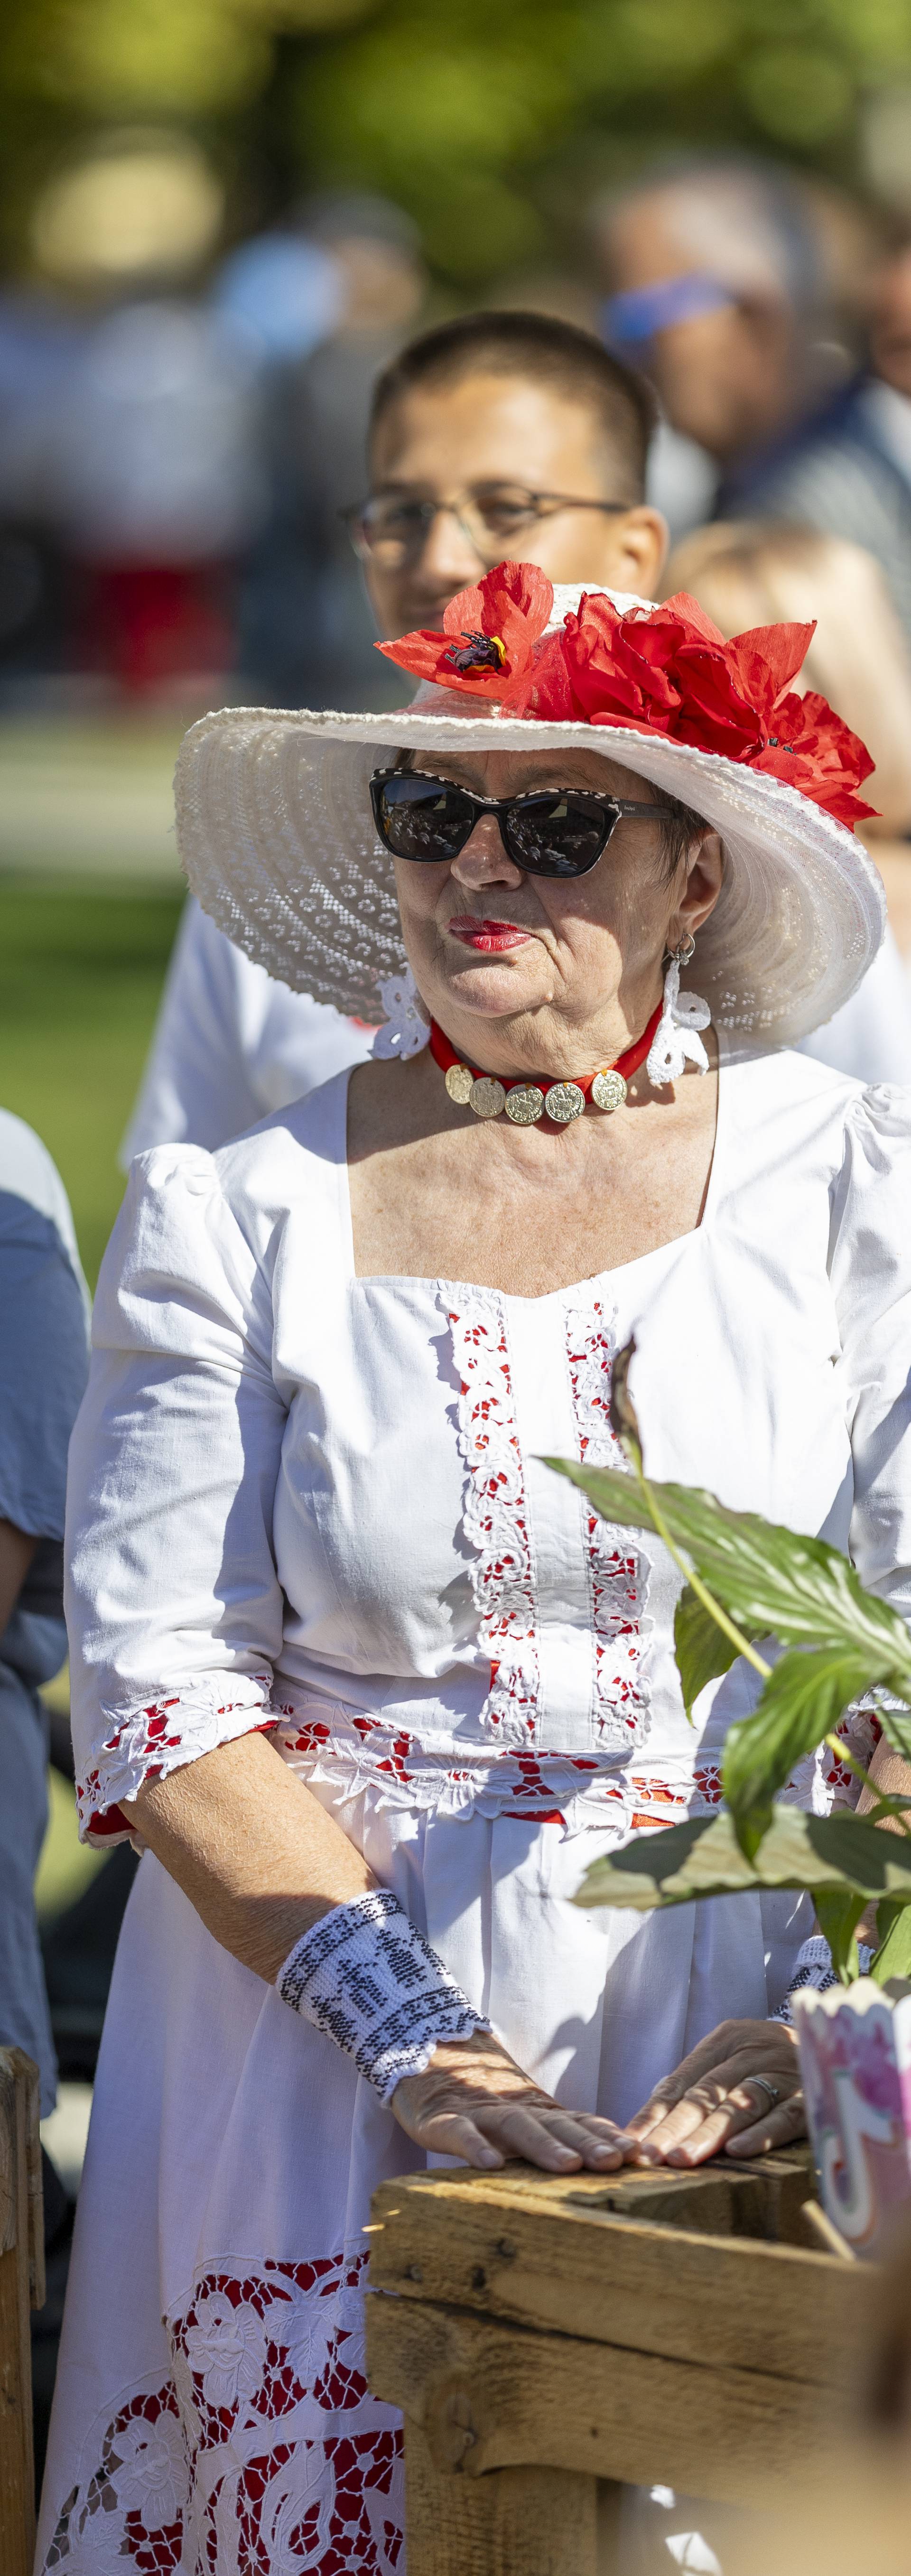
x=277, y=841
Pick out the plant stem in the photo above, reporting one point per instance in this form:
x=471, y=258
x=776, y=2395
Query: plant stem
x=701, y=1589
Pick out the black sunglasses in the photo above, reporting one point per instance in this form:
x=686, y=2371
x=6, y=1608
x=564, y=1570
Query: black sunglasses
x=560, y=832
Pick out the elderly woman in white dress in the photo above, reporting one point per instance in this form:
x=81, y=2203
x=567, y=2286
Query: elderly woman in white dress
x=366, y=1680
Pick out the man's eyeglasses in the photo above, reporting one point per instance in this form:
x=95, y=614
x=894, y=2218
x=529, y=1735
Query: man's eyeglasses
x=557, y=833
x=392, y=528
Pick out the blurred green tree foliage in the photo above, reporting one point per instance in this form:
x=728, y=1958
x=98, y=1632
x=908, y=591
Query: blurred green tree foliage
x=487, y=124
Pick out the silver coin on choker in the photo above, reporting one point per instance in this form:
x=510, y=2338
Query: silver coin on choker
x=564, y=1101
x=487, y=1096
x=460, y=1083
x=608, y=1090
x=524, y=1104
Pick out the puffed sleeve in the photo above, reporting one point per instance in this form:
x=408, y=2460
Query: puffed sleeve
x=870, y=1271
x=173, y=1603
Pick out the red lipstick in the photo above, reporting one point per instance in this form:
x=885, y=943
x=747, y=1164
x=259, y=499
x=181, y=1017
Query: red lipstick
x=489, y=936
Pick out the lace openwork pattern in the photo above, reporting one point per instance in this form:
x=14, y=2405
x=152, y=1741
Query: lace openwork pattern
x=261, y=2454
x=496, y=1514
x=617, y=1571
x=583, y=1792
x=146, y=1743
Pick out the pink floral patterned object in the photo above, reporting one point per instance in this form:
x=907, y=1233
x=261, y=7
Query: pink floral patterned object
x=855, y=2058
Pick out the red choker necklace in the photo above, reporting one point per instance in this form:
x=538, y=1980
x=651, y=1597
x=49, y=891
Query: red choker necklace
x=526, y=1102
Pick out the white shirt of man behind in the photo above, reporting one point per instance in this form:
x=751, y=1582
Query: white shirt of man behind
x=230, y=1044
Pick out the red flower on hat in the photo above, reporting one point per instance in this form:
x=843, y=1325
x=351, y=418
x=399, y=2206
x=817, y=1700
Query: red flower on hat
x=664, y=670
x=816, y=752
x=669, y=670
x=489, y=634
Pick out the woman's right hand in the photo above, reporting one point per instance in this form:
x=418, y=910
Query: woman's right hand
x=473, y=2101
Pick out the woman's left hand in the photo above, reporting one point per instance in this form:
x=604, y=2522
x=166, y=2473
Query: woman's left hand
x=713, y=2102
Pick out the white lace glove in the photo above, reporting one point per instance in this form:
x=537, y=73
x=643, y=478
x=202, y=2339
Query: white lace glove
x=367, y=1977
x=814, y=1968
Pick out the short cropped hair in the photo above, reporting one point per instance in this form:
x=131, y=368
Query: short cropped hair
x=548, y=351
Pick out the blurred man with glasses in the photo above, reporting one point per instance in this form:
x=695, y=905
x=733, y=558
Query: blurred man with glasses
x=501, y=434
x=504, y=435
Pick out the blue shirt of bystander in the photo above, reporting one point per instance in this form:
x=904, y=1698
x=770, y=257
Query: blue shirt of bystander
x=44, y=1316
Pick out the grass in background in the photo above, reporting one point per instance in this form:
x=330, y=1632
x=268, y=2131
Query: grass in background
x=82, y=963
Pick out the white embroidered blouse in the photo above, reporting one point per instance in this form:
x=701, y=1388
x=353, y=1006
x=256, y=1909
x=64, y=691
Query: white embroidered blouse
x=303, y=1499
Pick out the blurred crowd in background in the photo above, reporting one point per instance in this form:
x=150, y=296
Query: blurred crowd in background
x=203, y=277
x=177, y=450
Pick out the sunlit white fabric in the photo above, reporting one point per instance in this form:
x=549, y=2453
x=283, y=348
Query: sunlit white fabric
x=304, y=1495
x=870, y=1037
x=322, y=1554
x=230, y=1043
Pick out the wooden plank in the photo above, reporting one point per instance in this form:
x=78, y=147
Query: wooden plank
x=713, y=2189
x=781, y=2310
x=8, y=2158
x=516, y=2522
x=762, y=2198
x=17, y=2475
x=710, y=2204
x=26, y=2073
x=788, y=2182
x=489, y=2396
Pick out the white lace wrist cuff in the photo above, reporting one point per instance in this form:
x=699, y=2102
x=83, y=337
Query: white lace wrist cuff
x=814, y=1968
x=367, y=1977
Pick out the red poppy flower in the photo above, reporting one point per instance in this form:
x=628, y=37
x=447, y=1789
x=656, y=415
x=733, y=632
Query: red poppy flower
x=664, y=670
x=489, y=634
x=671, y=671
x=817, y=752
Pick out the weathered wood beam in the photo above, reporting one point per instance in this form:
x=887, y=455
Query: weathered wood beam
x=490, y=2396
x=21, y=2287
x=567, y=2269
x=516, y=2522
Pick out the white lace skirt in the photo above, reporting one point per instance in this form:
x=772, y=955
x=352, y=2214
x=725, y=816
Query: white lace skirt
x=212, y=2415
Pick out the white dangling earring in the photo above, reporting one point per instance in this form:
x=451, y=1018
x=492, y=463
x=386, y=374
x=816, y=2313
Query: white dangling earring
x=676, y=1039
x=407, y=1024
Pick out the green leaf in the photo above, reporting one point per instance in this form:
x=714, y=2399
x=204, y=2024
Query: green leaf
x=772, y=1581
x=703, y=1651
x=703, y=1858
x=870, y=1857
x=619, y=1496
x=801, y=1702
x=838, y=1918
x=699, y=1858
x=893, y=1932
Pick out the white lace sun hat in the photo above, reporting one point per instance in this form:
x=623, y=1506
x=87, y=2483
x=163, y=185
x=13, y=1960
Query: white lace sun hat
x=277, y=840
